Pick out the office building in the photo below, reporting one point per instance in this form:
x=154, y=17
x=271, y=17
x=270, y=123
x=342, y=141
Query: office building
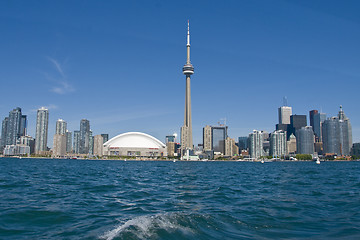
x=291, y=144
x=296, y=123
x=319, y=118
x=243, y=143
x=305, y=140
x=312, y=113
x=284, y=114
x=256, y=144
x=355, y=150
x=170, y=138
x=337, y=135
x=186, y=129
x=91, y=143
x=23, y=125
x=278, y=144
x=4, y=129
x=27, y=141
x=207, y=138
x=42, y=123
x=105, y=137
x=171, y=148
x=11, y=128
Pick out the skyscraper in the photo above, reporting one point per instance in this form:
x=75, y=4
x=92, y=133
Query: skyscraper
x=98, y=145
x=243, y=143
x=312, y=113
x=256, y=144
x=61, y=127
x=337, y=134
x=296, y=122
x=207, y=138
x=68, y=141
x=4, y=129
x=13, y=128
x=278, y=143
x=305, y=140
x=84, y=136
x=319, y=118
x=42, y=121
x=284, y=114
x=76, y=142
x=23, y=125
x=186, y=129
x=214, y=138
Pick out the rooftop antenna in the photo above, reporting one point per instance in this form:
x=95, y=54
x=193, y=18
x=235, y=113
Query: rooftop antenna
x=285, y=103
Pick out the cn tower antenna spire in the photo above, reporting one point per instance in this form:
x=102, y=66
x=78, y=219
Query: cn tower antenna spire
x=188, y=35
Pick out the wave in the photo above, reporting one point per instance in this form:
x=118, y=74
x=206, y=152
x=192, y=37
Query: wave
x=152, y=226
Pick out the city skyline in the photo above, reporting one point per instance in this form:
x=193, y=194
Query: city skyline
x=57, y=65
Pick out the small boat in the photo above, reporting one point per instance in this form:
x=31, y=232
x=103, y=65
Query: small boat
x=317, y=161
x=174, y=160
x=262, y=160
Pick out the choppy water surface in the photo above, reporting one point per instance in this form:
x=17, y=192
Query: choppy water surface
x=77, y=199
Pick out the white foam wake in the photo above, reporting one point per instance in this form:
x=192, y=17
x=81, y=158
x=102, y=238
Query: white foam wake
x=144, y=227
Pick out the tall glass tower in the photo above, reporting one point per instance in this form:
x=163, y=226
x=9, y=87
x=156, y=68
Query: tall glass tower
x=42, y=123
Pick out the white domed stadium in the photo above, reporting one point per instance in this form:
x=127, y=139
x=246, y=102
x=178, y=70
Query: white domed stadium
x=135, y=144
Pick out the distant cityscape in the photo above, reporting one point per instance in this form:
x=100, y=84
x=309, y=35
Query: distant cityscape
x=292, y=138
x=325, y=137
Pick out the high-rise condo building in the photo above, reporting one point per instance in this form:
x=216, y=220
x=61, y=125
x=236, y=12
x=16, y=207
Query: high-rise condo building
x=76, y=143
x=23, y=125
x=4, y=129
x=278, y=143
x=59, y=145
x=84, y=136
x=256, y=144
x=207, y=138
x=91, y=143
x=105, y=137
x=170, y=138
x=230, y=147
x=186, y=129
x=98, y=145
x=243, y=143
x=284, y=114
x=61, y=127
x=13, y=128
x=305, y=140
x=42, y=123
x=68, y=141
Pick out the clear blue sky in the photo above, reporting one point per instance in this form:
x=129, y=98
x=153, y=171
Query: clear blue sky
x=118, y=63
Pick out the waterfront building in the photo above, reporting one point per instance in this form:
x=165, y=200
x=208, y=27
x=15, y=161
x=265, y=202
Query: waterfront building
x=278, y=144
x=319, y=118
x=284, y=114
x=256, y=144
x=135, y=144
x=13, y=127
x=16, y=150
x=296, y=123
x=59, y=145
x=355, y=150
x=214, y=138
x=171, y=148
x=243, y=143
x=105, y=137
x=4, y=129
x=312, y=114
x=207, y=138
x=84, y=136
x=291, y=144
x=42, y=123
x=91, y=143
x=230, y=147
x=186, y=129
x=27, y=141
x=61, y=127
x=98, y=145
x=23, y=125
x=305, y=140
x=337, y=135
x=170, y=138
x=68, y=141
x=76, y=144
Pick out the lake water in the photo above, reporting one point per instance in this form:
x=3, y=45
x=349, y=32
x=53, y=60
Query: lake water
x=78, y=199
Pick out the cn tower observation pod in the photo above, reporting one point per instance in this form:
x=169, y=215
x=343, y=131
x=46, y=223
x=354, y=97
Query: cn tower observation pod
x=135, y=144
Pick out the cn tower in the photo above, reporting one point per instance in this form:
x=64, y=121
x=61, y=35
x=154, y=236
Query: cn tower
x=186, y=129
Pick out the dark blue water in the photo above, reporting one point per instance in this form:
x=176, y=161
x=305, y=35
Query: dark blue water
x=77, y=199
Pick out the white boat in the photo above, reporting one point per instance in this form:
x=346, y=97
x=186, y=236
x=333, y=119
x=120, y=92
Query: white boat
x=317, y=161
x=262, y=160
